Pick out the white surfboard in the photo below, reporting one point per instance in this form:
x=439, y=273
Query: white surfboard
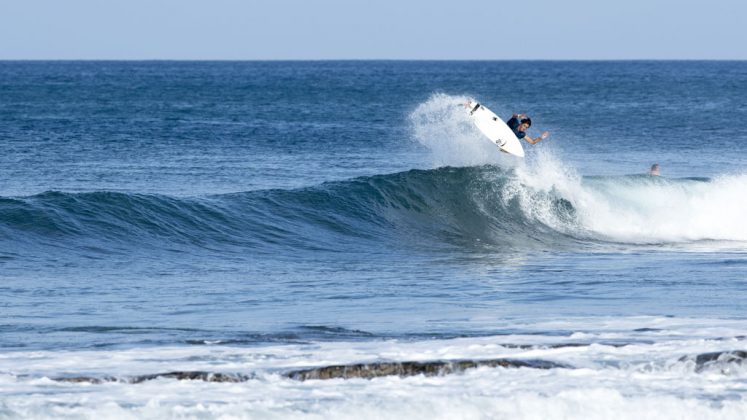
x=495, y=129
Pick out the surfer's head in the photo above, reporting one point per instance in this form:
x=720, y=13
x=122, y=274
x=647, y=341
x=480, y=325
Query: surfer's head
x=654, y=170
x=524, y=124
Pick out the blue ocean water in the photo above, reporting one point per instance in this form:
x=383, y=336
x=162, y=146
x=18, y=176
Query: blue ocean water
x=322, y=212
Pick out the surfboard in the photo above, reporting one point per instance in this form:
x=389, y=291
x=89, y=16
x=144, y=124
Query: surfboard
x=495, y=129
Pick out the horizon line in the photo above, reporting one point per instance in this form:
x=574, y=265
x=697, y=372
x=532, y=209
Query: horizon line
x=368, y=59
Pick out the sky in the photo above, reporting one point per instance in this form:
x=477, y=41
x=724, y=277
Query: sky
x=381, y=29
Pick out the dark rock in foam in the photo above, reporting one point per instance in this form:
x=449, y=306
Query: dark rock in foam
x=402, y=369
x=179, y=375
x=721, y=360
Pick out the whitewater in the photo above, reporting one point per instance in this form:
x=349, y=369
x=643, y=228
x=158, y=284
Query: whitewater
x=337, y=240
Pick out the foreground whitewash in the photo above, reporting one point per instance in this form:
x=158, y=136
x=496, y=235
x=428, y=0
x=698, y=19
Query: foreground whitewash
x=615, y=368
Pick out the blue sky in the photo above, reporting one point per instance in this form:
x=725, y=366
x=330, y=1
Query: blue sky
x=362, y=29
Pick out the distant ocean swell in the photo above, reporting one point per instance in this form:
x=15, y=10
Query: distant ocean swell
x=429, y=209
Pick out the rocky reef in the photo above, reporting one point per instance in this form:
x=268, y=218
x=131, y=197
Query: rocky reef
x=403, y=369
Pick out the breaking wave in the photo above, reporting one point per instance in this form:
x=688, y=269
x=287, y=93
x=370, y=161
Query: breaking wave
x=520, y=208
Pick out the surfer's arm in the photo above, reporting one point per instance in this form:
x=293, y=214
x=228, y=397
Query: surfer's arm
x=536, y=140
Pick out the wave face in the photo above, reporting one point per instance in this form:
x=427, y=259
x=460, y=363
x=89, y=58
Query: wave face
x=470, y=208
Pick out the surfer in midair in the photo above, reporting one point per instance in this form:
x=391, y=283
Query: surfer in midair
x=519, y=123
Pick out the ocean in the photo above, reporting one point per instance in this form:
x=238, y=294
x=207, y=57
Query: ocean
x=335, y=239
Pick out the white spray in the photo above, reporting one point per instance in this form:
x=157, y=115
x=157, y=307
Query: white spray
x=442, y=125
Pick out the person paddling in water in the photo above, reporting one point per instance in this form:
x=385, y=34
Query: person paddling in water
x=519, y=123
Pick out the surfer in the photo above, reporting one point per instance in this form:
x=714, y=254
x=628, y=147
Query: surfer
x=654, y=170
x=519, y=123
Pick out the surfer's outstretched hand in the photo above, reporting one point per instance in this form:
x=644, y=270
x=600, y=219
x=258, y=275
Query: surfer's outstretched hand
x=545, y=135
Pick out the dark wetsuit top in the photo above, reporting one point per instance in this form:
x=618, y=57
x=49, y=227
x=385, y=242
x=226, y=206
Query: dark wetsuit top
x=513, y=124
